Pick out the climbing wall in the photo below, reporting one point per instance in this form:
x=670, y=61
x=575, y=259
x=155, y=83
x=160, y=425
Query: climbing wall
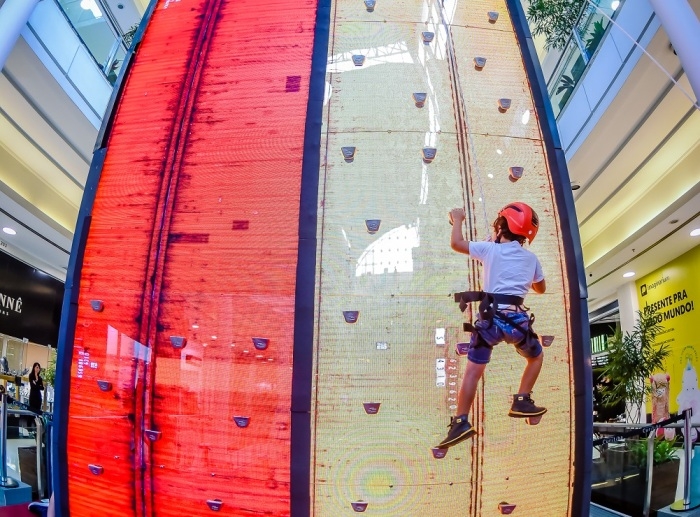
x=193, y=385
x=181, y=371
x=428, y=108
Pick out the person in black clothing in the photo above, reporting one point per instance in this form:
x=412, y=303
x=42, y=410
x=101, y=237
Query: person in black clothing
x=36, y=386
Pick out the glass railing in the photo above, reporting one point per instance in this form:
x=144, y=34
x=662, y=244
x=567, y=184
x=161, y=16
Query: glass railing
x=98, y=33
x=640, y=475
x=585, y=39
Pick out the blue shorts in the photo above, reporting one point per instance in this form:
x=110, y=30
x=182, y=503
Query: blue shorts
x=482, y=342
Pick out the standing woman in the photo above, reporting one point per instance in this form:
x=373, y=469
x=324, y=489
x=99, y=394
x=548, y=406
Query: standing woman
x=36, y=386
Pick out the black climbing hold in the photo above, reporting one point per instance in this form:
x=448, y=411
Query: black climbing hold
x=215, y=504
x=104, y=385
x=351, y=316
x=359, y=506
x=152, y=435
x=178, y=341
x=371, y=408
x=428, y=37
x=260, y=343
x=419, y=99
x=515, y=173
x=429, y=154
x=479, y=62
x=97, y=305
x=373, y=225
x=348, y=153
x=242, y=421
x=358, y=59
x=439, y=453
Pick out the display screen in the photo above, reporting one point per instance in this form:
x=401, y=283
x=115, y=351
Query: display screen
x=193, y=389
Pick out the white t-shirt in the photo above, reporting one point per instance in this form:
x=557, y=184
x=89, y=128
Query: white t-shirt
x=508, y=267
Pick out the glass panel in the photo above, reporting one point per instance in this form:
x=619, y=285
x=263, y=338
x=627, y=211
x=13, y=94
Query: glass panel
x=619, y=474
x=592, y=27
x=96, y=32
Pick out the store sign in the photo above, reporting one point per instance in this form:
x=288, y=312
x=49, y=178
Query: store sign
x=30, y=302
x=671, y=294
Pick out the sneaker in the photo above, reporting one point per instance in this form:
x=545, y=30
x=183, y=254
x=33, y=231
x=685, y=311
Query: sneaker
x=523, y=407
x=39, y=507
x=460, y=430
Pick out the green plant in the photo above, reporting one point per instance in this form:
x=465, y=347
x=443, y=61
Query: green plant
x=566, y=83
x=596, y=35
x=49, y=373
x=664, y=451
x=128, y=36
x=554, y=20
x=632, y=359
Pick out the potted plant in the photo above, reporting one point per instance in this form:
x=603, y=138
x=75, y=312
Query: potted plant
x=664, y=473
x=632, y=358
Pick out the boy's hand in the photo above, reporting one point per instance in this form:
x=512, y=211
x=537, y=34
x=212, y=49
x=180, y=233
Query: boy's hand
x=457, y=215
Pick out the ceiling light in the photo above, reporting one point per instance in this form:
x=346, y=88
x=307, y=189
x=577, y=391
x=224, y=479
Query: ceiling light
x=695, y=232
x=9, y=231
x=628, y=274
x=615, y=5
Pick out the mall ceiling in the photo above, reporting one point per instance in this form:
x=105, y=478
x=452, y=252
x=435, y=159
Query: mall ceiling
x=639, y=171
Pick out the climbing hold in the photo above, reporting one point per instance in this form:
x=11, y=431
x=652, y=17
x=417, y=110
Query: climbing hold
x=382, y=345
x=428, y=37
x=373, y=225
x=104, y=385
x=503, y=105
x=505, y=508
x=493, y=16
x=348, y=153
x=533, y=420
x=371, y=408
x=439, y=453
x=429, y=154
x=515, y=173
x=178, y=341
x=358, y=59
x=260, y=343
x=152, y=435
x=215, y=504
x=369, y=4
x=359, y=506
x=547, y=340
x=241, y=421
x=96, y=469
x=462, y=348
x=479, y=62
x=97, y=305
x=419, y=99
x=351, y=316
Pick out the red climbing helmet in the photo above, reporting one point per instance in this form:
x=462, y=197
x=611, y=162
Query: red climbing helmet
x=522, y=219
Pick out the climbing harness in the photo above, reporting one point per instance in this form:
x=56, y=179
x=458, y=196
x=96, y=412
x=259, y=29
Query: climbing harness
x=488, y=310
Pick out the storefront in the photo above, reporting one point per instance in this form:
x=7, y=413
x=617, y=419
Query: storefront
x=30, y=312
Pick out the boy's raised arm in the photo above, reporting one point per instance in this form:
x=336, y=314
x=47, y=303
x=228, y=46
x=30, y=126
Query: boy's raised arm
x=457, y=241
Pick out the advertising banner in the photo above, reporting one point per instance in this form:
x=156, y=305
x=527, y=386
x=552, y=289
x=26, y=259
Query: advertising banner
x=30, y=302
x=671, y=293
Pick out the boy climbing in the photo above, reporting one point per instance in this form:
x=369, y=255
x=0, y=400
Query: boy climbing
x=509, y=272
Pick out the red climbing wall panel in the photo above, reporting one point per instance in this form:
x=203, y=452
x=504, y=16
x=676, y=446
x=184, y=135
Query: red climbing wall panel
x=194, y=236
